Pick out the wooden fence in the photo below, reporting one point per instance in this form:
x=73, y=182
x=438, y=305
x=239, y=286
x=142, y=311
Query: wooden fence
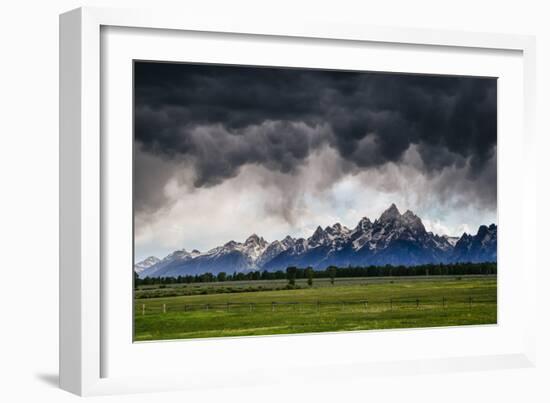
x=318, y=306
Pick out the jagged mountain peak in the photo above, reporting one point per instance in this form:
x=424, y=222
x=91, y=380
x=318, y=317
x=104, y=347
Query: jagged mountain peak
x=318, y=237
x=390, y=213
x=484, y=229
x=255, y=240
x=150, y=260
x=337, y=229
x=413, y=221
x=288, y=240
x=177, y=254
x=340, y=228
x=319, y=232
x=481, y=247
x=146, y=263
x=337, y=233
x=364, y=224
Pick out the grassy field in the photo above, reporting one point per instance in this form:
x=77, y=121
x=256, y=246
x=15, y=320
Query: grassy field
x=349, y=304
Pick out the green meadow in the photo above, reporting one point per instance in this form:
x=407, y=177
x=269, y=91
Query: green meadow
x=268, y=307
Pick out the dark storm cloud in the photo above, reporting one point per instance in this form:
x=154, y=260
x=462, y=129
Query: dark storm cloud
x=219, y=118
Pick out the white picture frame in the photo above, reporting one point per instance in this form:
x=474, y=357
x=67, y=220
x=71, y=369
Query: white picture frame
x=86, y=319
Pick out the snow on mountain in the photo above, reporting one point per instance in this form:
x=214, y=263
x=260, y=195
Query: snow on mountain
x=254, y=246
x=394, y=238
x=451, y=239
x=275, y=248
x=319, y=237
x=175, y=257
x=146, y=263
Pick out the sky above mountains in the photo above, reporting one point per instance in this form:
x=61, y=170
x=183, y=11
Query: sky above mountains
x=225, y=151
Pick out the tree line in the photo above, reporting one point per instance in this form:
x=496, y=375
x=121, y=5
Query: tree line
x=294, y=273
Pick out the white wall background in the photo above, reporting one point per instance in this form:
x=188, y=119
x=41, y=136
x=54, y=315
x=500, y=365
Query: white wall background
x=29, y=201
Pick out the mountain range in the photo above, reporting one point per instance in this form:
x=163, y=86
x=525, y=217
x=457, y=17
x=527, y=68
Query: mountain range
x=394, y=239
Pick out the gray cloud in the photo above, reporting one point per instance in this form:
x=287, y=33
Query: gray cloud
x=214, y=120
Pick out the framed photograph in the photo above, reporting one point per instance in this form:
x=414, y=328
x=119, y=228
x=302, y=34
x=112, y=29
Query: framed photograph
x=236, y=195
x=307, y=168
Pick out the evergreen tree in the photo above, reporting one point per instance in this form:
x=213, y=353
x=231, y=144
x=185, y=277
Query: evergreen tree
x=291, y=275
x=309, y=275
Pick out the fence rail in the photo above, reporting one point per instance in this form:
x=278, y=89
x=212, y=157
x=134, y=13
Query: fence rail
x=273, y=306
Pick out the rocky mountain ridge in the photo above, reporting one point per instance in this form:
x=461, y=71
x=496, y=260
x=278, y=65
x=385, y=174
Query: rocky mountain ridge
x=394, y=238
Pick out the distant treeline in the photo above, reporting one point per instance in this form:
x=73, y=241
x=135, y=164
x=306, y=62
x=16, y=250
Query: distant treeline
x=291, y=273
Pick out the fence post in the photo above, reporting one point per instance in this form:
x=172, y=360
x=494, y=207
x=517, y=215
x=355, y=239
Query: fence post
x=443, y=302
x=163, y=308
x=143, y=309
x=250, y=307
x=206, y=306
x=366, y=305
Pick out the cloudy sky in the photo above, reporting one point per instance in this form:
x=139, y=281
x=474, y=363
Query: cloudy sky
x=225, y=151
